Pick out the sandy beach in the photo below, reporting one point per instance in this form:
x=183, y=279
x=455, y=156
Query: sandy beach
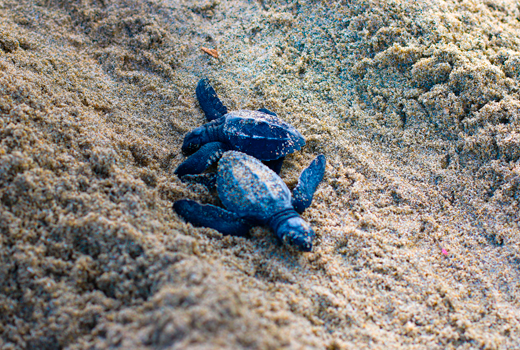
x=415, y=104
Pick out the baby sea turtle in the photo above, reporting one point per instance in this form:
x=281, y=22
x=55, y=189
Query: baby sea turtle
x=260, y=134
x=253, y=194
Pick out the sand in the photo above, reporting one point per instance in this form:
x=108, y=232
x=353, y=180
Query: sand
x=416, y=106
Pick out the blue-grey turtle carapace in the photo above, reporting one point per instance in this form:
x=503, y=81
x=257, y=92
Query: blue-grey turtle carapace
x=260, y=134
x=253, y=194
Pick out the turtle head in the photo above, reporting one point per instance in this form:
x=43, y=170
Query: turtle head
x=296, y=232
x=206, y=133
x=194, y=140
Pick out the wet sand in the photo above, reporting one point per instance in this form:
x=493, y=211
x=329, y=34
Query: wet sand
x=416, y=107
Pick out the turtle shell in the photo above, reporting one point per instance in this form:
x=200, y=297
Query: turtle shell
x=261, y=135
x=249, y=188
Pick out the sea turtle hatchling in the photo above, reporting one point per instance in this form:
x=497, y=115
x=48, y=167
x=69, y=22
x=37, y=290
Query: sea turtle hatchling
x=260, y=134
x=253, y=194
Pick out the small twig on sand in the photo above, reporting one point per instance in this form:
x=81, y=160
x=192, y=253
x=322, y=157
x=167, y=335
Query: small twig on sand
x=211, y=52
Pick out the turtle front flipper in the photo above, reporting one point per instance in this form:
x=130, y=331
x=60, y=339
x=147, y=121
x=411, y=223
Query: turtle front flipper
x=307, y=184
x=209, y=101
x=202, y=159
x=207, y=215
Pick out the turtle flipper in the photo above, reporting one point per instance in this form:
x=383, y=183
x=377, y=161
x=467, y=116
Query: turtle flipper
x=307, y=184
x=209, y=101
x=266, y=111
x=275, y=165
x=207, y=215
x=207, y=179
x=203, y=158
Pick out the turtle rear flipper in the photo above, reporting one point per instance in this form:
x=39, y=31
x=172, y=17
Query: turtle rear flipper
x=209, y=180
x=202, y=159
x=275, y=165
x=209, y=101
x=207, y=215
x=309, y=180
